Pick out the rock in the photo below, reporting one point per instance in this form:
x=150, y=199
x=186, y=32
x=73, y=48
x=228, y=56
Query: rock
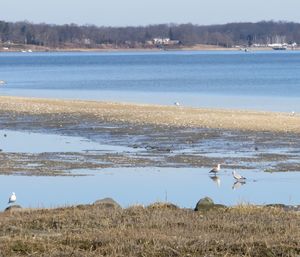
x=107, y=203
x=160, y=205
x=206, y=204
x=285, y=207
x=12, y=208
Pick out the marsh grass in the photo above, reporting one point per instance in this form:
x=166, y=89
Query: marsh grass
x=138, y=231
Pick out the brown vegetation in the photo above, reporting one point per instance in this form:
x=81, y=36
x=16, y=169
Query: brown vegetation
x=94, y=230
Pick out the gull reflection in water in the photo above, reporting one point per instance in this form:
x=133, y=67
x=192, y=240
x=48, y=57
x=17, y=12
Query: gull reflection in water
x=237, y=184
x=216, y=180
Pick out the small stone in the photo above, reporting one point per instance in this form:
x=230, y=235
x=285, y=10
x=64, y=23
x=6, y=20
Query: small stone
x=107, y=203
x=163, y=205
x=206, y=204
x=12, y=208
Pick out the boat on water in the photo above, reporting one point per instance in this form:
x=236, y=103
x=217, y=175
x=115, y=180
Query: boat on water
x=280, y=48
x=245, y=49
x=2, y=82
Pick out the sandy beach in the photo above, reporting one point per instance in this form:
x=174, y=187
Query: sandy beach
x=173, y=116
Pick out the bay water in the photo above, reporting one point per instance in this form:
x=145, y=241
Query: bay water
x=268, y=81
x=222, y=79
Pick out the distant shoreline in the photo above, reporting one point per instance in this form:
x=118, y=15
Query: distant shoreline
x=172, y=116
x=199, y=47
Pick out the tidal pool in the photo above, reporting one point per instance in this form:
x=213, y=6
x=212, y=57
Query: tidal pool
x=129, y=186
x=32, y=142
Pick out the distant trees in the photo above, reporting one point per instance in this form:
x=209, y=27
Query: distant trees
x=72, y=35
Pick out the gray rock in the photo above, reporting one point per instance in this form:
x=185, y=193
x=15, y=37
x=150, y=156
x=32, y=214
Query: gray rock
x=14, y=207
x=107, y=203
x=206, y=204
x=163, y=205
x=285, y=207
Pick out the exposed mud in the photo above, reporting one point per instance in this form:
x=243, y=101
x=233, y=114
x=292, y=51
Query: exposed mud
x=149, y=145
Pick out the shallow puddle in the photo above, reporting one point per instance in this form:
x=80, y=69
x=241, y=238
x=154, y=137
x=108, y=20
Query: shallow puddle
x=128, y=186
x=28, y=142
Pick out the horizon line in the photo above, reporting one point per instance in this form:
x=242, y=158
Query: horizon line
x=153, y=24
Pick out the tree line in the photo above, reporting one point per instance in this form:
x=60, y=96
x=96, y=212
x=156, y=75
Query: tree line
x=90, y=36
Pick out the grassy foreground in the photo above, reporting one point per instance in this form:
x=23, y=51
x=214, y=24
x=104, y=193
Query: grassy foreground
x=93, y=230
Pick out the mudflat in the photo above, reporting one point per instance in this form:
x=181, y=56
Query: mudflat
x=172, y=116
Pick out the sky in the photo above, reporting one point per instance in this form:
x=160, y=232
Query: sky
x=145, y=12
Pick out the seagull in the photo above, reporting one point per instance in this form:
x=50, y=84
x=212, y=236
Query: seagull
x=216, y=169
x=177, y=103
x=237, y=176
x=12, y=198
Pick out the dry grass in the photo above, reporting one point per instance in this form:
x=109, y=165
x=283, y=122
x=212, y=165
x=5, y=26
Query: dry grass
x=138, y=231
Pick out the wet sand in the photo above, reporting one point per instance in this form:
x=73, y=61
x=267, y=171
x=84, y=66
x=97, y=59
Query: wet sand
x=156, y=136
x=141, y=114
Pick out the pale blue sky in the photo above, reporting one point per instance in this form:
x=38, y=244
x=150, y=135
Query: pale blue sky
x=143, y=12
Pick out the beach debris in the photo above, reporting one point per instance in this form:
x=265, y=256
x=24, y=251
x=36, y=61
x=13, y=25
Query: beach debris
x=216, y=169
x=12, y=198
x=237, y=176
x=158, y=148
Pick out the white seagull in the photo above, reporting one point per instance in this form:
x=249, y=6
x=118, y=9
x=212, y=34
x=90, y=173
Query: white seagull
x=237, y=176
x=216, y=169
x=12, y=198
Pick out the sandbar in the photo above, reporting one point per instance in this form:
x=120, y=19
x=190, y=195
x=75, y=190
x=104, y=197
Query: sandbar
x=146, y=114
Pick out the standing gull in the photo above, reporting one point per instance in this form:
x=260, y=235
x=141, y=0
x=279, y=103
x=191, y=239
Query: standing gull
x=237, y=176
x=216, y=169
x=12, y=198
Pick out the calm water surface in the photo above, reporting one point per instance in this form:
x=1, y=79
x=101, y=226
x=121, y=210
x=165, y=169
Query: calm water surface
x=128, y=186
x=182, y=186
x=255, y=80
x=27, y=142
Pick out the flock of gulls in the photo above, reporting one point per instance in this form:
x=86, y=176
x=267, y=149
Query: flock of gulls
x=239, y=179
